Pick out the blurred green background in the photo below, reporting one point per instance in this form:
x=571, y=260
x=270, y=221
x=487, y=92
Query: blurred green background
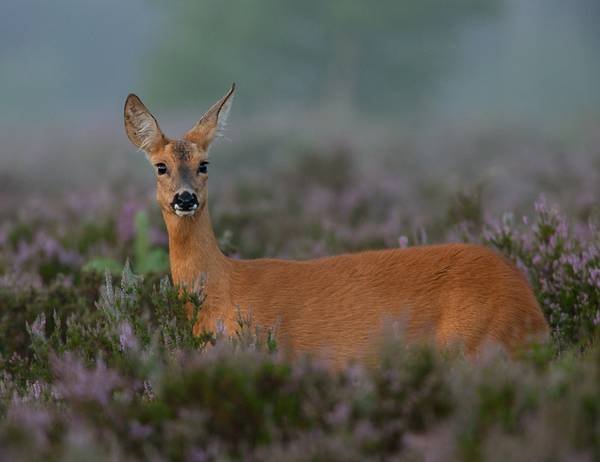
x=510, y=59
x=421, y=80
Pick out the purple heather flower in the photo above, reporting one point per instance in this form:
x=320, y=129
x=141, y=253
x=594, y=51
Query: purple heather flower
x=77, y=382
x=540, y=205
x=403, y=242
x=36, y=390
x=127, y=339
x=158, y=237
x=594, y=279
x=339, y=415
x=148, y=391
x=36, y=422
x=139, y=431
x=37, y=329
x=126, y=220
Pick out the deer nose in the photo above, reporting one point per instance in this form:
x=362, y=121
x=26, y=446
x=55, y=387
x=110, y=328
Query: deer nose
x=185, y=201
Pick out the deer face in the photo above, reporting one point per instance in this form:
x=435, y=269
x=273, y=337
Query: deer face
x=181, y=174
x=181, y=165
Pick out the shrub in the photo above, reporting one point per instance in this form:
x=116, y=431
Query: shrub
x=563, y=266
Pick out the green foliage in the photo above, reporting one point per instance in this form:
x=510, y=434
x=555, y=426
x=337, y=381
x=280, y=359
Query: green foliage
x=102, y=264
x=21, y=308
x=147, y=259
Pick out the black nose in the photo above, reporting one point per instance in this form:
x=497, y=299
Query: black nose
x=185, y=201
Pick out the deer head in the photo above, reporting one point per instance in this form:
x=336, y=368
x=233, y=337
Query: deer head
x=181, y=164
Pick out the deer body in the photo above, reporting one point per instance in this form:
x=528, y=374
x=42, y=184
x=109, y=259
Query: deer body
x=334, y=307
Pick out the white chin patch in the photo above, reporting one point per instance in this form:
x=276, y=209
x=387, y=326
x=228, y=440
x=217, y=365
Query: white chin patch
x=185, y=213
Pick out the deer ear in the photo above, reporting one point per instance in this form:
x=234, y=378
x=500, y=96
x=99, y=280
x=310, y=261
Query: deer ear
x=141, y=127
x=212, y=124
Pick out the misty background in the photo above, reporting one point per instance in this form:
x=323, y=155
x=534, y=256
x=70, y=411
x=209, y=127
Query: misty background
x=455, y=88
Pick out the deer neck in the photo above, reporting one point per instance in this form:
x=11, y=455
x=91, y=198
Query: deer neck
x=194, y=251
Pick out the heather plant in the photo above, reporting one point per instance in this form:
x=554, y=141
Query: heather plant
x=128, y=318
x=240, y=402
x=237, y=404
x=562, y=263
x=97, y=365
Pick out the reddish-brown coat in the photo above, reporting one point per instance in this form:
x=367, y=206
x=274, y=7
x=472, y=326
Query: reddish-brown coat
x=337, y=307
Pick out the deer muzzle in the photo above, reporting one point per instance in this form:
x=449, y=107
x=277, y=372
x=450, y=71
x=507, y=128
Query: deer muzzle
x=185, y=203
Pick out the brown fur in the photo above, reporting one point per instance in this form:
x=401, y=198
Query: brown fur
x=336, y=307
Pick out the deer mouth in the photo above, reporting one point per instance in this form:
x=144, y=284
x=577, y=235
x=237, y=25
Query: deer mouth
x=185, y=212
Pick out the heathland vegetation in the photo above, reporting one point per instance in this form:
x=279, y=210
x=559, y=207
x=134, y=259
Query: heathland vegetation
x=97, y=364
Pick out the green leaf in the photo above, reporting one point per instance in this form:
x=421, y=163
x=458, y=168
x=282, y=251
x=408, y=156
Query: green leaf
x=147, y=259
x=101, y=265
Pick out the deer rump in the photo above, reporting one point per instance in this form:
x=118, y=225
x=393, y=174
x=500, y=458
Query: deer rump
x=338, y=307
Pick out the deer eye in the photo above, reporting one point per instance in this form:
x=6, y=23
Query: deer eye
x=203, y=167
x=161, y=169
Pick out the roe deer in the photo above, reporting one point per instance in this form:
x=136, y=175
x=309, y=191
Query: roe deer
x=333, y=307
